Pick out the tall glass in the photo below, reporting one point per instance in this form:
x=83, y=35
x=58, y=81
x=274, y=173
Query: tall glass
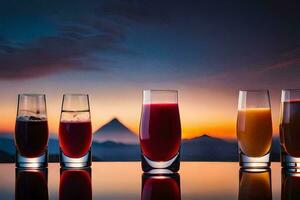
x=75, y=184
x=290, y=185
x=254, y=128
x=160, y=131
x=166, y=187
x=255, y=184
x=75, y=131
x=31, y=184
x=290, y=128
x=31, y=131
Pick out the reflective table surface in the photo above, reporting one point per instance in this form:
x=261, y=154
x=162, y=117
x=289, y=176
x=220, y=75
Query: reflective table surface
x=125, y=180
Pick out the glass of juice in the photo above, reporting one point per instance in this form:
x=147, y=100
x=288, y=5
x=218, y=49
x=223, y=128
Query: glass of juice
x=290, y=128
x=166, y=187
x=75, y=131
x=254, y=128
x=31, y=131
x=160, y=131
x=255, y=184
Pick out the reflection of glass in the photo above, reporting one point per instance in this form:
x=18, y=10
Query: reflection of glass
x=290, y=128
x=254, y=128
x=255, y=184
x=290, y=185
x=160, y=131
x=75, y=131
x=75, y=184
x=157, y=187
x=31, y=184
x=31, y=131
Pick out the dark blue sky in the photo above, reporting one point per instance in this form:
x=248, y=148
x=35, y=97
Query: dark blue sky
x=194, y=38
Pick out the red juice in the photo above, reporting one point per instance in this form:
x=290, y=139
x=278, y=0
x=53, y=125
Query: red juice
x=290, y=127
x=75, y=138
x=75, y=184
x=160, y=131
x=161, y=187
x=31, y=137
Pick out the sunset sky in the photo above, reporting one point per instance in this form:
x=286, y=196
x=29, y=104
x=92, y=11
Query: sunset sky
x=112, y=50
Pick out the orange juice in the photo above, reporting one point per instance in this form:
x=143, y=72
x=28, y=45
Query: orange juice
x=254, y=131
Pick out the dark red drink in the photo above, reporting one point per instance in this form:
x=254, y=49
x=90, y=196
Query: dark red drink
x=31, y=137
x=160, y=133
x=161, y=187
x=31, y=185
x=75, y=138
x=290, y=186
x=290, y=127
x=75, y=184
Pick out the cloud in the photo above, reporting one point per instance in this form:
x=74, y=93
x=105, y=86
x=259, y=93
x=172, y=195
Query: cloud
x=90, y=36
x=47, y=55
x=286, y=61
x=99, y=29
x=283, y=71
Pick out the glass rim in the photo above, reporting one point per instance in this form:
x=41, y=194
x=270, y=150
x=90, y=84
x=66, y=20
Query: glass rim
x=253, y=91
x=156, y=90
x=290, y=95
x=75, y=94
x=291, y=90
x=31, y=94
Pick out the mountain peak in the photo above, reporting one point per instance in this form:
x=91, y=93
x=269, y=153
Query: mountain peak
x=115, y=124
x=205, y=136
x=114, y=120
x=115, y=131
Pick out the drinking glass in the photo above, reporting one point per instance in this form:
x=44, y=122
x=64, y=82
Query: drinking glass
x=254, y=128
x=166, y=187
x=290, y=184
x=75, y=131
x=290, y=128
x=75, y=184
x=31, y=131
x=31, y=184
x=160, y=131
x=255, y=184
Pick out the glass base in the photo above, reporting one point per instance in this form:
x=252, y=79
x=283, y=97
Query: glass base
x=290, y=172
x=38, y=162
x=254, y=162
x=82, y=162
x=288, y=161
x=167, y=167
x=166, y=186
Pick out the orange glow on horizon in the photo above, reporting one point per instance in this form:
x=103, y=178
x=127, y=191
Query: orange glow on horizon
x=189, y=131
x=201, y=112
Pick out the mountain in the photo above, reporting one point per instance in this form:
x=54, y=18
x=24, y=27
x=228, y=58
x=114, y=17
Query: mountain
x=112, y=151
x=7, y=144
x=115, y=131
x=203, y=148
x=275, y=152
x=5, y=157
x=206, y=148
